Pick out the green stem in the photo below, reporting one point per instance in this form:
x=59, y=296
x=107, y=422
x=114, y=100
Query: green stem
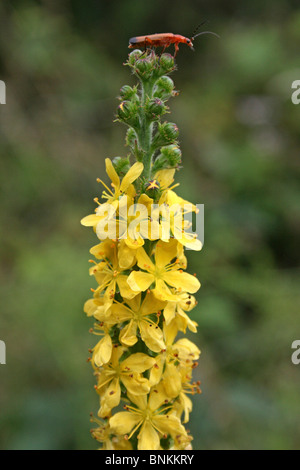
x=146, y=129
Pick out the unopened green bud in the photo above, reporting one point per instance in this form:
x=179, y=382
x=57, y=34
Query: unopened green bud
x=167, y=63
x=121, y=165
x=144, y=67
x=167, y=133
x=152, y=189
x=125, y=110
x=164, y=87
x=170, y=157
x=127, y=93
x=155, y=108
x=172, y=153
x=133, y=56
x=127, y=113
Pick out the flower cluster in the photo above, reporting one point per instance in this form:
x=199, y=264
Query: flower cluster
x=143, y=294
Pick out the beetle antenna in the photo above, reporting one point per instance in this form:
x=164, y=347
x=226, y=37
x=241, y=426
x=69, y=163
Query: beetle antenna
x=199, y=26
x=205, y=32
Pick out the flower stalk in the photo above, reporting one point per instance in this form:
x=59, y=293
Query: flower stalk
x=143, y=294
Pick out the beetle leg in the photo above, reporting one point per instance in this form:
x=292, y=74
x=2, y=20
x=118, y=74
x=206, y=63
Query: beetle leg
x=176, y=49
x=147, y=42
x=164, y=48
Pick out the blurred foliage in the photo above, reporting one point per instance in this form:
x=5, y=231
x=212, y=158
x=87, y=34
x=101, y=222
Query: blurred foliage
x=239, y=132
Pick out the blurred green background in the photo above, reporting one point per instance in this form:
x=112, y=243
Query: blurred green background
x=61, y=61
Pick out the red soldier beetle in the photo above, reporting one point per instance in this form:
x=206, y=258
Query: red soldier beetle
x=165, y=40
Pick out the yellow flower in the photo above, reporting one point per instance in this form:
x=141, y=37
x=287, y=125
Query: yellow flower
x=188, y=387
x=175, y=208
x=126, y=255
x=132, y=223
x=153, y=420
x=109, y=275
x=95, y=307
x=182, y=443
x=125, y=186
x=165, y=178
x=175, y=309
x=138, y=315
x=119, y=188
x=177, y=354
x=128, y=372
x=162, y=273
x=184, y=350
x=103, y=434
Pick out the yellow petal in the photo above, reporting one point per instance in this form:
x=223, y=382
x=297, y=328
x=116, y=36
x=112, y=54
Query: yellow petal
x=110, y=399
x=184, y=321
x=116, y=355
x=131, y=175
x=187, y=302
x=90, y=220
x=139, y=400
x=165, y=252
x=125, y=288
x=187, y=406
x=187, y=349
x=123, y=422
x=126, y=255
x=165, y=178
x=102, y=351
x=131, y=192
x=110, y=292
x=182, y=281
x=152, y=336
x=172, y=381
x=121, y=444
x=134, y=303
x=103, y=380
x=120, y=313
x=139, y=281
x=157, y=397
x=138, y=362
x=143, y=260
x=145, y=200
x=134, y=244
x=169, y=312
x=128, y=334
x=148, y=438
x=162, y=292
x=169, y=424
x=112, y=173
x=173, y=199
x=90, y=307
x=188, y=240
x=170, y=332
x=151, y=304
x=135, y=384
x=156, y=371
x=102, y=250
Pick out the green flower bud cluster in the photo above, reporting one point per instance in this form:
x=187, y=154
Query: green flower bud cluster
x=142, y=107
